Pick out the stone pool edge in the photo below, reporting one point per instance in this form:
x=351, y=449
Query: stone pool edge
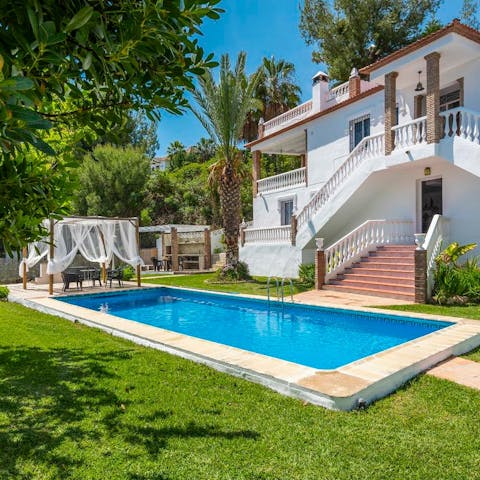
x=345, y=388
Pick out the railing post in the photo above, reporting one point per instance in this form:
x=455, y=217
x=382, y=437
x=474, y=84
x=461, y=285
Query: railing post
x=242, y=236
x=420, y=275
x=320, y=265
x=293, y=230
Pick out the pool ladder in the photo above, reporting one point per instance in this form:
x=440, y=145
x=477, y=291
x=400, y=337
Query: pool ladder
x=280, y=288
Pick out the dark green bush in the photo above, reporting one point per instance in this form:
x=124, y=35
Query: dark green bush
x=306, y=274
x=4, y=291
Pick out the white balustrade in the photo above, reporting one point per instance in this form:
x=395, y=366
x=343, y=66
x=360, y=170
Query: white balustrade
x=463, y=123
x=369, y=147
x=268, y=235
x=357, y=243
x=339, y=93
x=284, y=180
x=437, y=236
x=411, y=133
x=295, y=114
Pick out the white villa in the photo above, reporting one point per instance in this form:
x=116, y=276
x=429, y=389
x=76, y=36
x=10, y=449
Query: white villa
x=391, y=153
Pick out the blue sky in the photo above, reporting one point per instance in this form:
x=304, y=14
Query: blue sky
x=262, y=28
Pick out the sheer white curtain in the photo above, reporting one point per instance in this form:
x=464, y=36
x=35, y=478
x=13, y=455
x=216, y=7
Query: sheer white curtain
x=124, y=243
x=36, y=251
x=96, y=240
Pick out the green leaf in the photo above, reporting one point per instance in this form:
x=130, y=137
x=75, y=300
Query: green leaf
x=79, y=19
x=87, y=61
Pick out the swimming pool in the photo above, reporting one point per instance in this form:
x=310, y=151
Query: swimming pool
x=318, y=337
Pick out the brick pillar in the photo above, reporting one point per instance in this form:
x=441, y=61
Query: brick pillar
x=320, y=269
x=293, y=230
x=420, y=276
x=174, y=240
x=390, y=110
x=261, y=128
x=354, y=84
x=207, y=248
x=433, y=98
x=242, y=236
x=256, y=165
x=461, y=86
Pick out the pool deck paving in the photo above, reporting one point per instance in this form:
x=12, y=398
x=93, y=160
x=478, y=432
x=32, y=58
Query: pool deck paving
x=344, y=388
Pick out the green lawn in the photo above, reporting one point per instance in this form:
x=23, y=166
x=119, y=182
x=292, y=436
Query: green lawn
x=201, y=281
x=76, y=403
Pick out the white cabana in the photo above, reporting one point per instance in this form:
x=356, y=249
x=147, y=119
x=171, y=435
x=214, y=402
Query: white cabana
x=97, y=239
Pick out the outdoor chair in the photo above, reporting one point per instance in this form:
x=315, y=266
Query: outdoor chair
x=96, y=276
x=71, y=277
x=157, y=264
x=116, y=274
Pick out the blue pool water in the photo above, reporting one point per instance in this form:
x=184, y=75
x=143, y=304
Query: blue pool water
x=318, y=337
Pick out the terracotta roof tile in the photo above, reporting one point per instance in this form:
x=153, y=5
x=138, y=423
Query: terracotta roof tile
x=455, y=27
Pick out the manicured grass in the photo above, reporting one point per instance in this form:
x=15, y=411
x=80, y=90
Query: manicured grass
x=76, y=403
x=201, y=281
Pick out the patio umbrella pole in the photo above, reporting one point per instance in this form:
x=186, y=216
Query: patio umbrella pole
x=24, y=276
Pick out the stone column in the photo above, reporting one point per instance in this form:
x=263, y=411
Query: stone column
x=390, y=110
x=207, y=246
x=256, y=165
x=420, y=275
x=242, y=235
x=320, y=269
x=433, y=98
x=174, y=241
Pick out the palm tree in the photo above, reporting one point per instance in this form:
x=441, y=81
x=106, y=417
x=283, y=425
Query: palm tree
x=277, y=91
x=223, y=108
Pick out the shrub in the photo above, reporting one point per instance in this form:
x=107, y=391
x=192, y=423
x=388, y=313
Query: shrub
x=454, y=283
x=306, y=274
x=4, y=291
x=234, y=273
x=128, y=273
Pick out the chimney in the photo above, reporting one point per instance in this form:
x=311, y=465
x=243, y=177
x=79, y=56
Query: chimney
x=319, y=91
x=354, y=83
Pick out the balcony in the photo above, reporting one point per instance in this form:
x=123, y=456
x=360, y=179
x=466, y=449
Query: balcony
x=293, y=178
x=291, y=116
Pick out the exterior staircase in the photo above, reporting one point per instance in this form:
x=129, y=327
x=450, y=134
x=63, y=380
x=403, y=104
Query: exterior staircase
x=389, y=271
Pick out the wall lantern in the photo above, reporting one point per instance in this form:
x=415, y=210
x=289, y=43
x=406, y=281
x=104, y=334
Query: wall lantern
x=419, y=87
x=427, y=171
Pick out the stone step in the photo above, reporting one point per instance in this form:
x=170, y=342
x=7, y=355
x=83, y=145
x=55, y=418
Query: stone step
x=372, y=285
x=389, y=261
x=406, y=280
x=369, y=270
x=401, y=248
x=375, y=293
x=392, y=254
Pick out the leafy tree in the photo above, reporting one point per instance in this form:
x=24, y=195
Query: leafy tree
x=222, y=109
x=276, y=90
x=204, y=150
x=177, y=155
x=470, y=13
x=112, y=182
x=353, y=34
x=82, y=63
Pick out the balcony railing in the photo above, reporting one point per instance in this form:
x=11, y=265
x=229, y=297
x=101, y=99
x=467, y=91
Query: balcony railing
x=295, y=114
x=463, y=123
x=268, y=235
x=289, y=179
x=411, y=133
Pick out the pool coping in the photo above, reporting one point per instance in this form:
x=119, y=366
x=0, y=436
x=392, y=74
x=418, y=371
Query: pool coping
x=345, y=388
